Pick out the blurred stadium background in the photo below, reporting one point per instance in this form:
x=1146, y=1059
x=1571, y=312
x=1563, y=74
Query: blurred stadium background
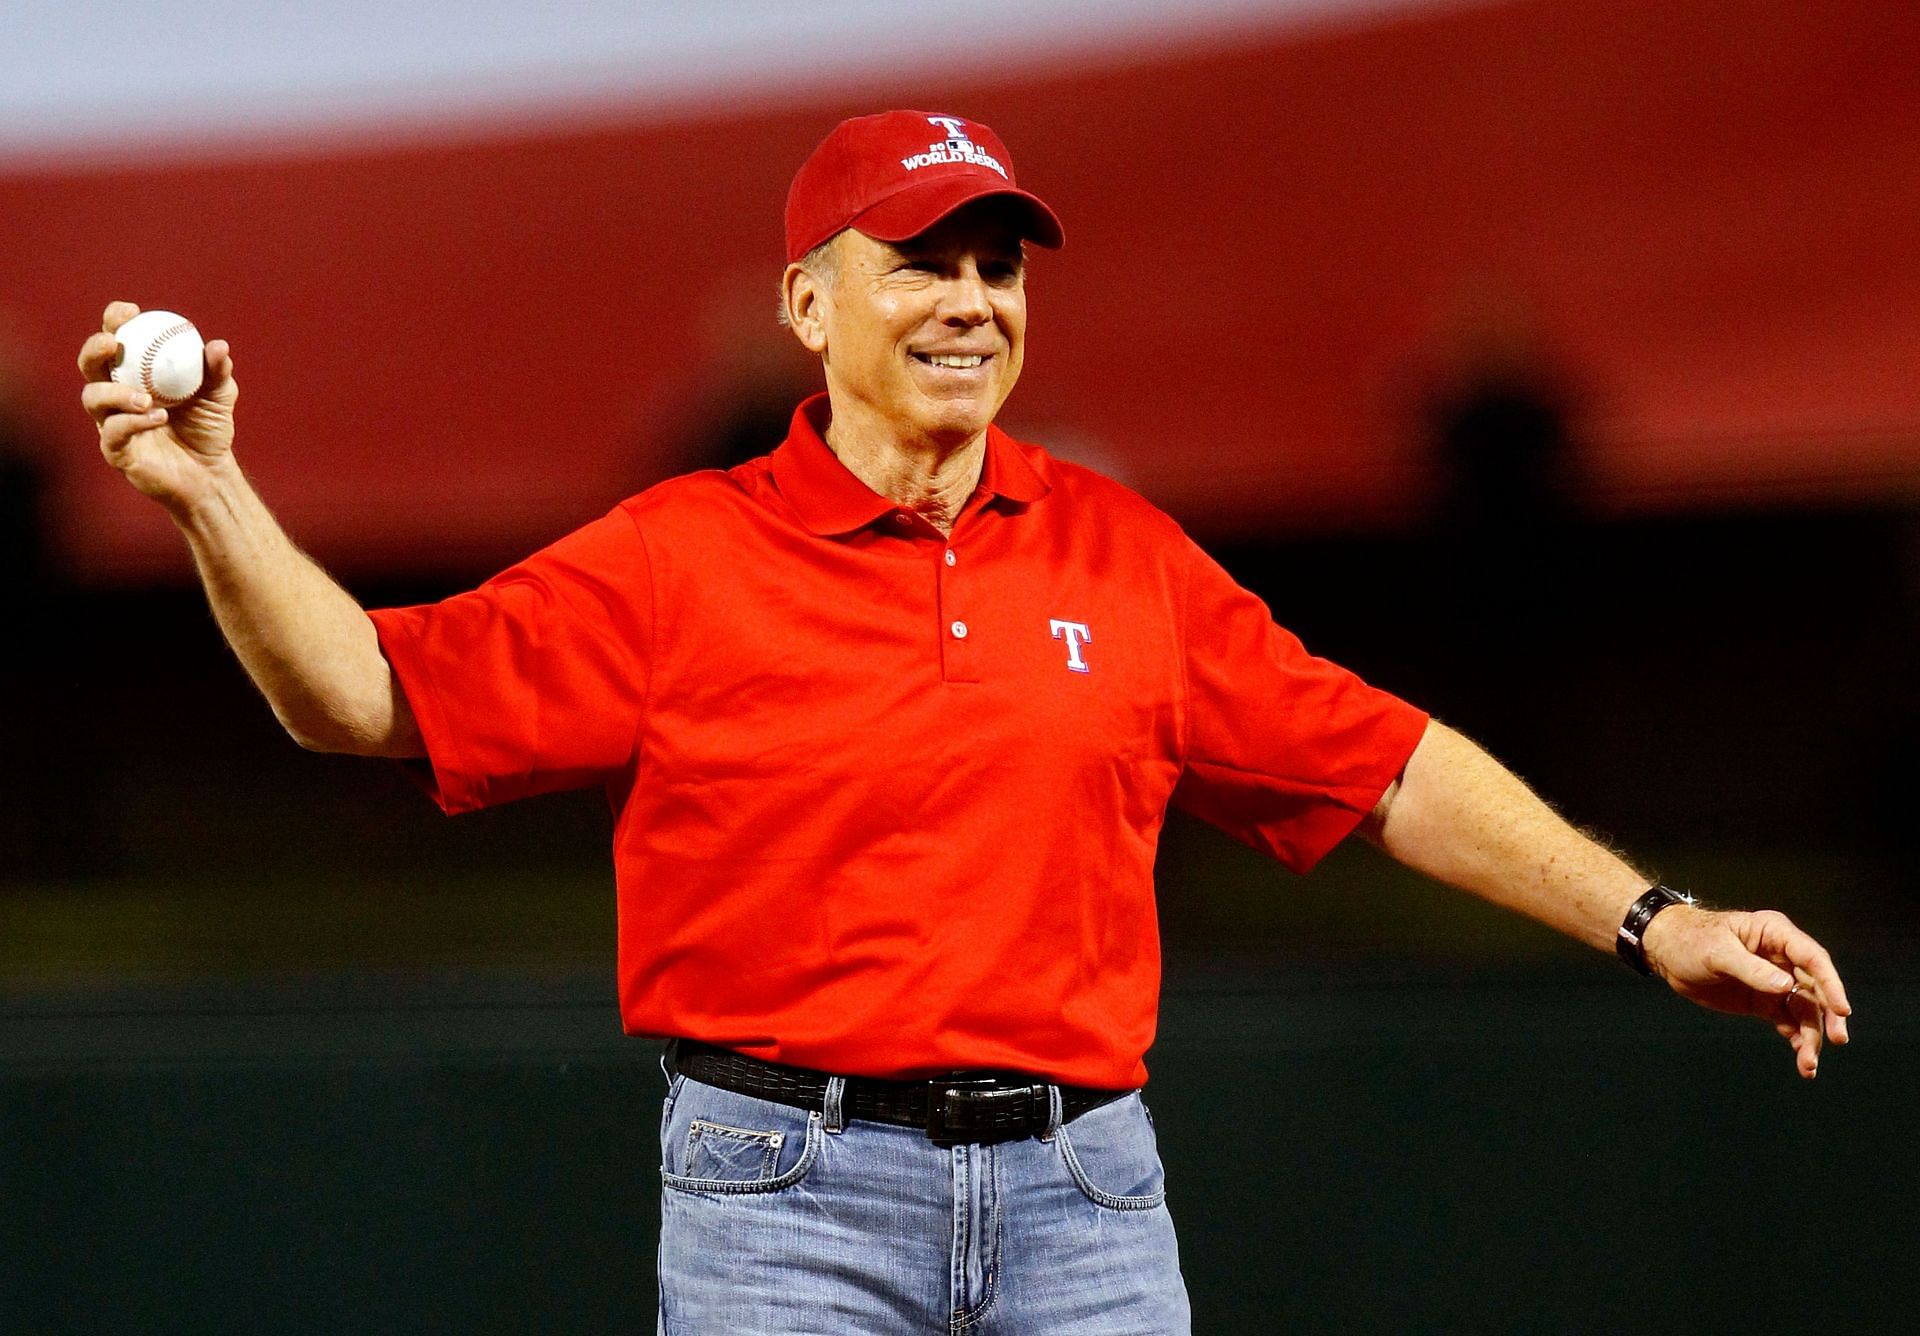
x=1550, y=362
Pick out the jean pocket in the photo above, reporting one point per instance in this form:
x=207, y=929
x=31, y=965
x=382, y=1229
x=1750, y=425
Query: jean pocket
x=734, y=1144
x=1113, y=1157
x=736, y=1154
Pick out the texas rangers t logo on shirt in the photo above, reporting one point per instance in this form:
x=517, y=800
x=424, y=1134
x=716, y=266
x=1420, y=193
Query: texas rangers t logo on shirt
x=1075, y=634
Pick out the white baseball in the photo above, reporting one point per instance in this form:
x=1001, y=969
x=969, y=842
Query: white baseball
x=161, y=353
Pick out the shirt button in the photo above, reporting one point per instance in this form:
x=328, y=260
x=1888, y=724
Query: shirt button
x=959, y=630
x=901, y=517
x=950, y=557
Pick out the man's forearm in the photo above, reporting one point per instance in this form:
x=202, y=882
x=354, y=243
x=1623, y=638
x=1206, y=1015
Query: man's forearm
x=305, y=642
x=1461, y=817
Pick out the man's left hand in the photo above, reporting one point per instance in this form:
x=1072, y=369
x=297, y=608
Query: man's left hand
x=1753, y=963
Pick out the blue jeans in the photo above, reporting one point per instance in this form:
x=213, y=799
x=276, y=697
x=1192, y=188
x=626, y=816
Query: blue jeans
x=780, y=1220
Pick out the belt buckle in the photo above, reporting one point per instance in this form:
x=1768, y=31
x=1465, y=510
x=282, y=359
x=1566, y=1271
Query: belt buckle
x=949, y=1099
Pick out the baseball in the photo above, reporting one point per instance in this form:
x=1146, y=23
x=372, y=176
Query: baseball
x=161, y=353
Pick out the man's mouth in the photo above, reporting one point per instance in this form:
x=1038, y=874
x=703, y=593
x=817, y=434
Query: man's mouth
x=958, y=361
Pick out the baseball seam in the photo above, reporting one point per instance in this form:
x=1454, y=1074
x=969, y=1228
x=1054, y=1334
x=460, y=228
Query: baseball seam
x=153, y=351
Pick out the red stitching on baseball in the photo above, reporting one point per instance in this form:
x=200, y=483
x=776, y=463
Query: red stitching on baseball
x=146, y=361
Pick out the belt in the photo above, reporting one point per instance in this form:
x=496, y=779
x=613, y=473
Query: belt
x=977, y=1108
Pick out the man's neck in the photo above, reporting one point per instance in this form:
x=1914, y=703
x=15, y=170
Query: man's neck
x=931, y=478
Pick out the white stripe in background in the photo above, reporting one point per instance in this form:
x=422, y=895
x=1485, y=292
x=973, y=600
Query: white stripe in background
x=94, y=78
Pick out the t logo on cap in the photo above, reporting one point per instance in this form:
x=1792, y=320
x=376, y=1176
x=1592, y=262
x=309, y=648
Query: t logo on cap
x=956, y=129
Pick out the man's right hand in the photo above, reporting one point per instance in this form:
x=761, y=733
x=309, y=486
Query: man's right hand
x=172, y=455
x=312, y=651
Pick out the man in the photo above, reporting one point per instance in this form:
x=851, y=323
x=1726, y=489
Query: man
x=890, y=719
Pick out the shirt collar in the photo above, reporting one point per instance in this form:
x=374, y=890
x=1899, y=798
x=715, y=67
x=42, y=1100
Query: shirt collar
x=829, y=499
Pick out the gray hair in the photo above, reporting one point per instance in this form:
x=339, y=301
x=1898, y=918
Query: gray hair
x=823, y=262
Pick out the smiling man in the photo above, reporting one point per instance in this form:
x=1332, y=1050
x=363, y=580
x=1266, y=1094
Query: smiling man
x=922, y=339
x=890, y=718
x=918, y=311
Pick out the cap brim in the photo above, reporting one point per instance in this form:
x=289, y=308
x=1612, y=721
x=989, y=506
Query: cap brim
x=910, y=211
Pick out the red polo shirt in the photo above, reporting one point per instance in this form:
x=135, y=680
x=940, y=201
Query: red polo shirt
x=887, y=802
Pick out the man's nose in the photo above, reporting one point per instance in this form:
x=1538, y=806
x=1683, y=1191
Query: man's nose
x=965, y=300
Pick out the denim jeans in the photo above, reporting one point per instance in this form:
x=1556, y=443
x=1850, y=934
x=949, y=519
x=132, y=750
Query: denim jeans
x=780, y=1220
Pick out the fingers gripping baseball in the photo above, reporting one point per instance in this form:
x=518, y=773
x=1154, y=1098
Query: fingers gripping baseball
x=1757, y=964
x=167, y=448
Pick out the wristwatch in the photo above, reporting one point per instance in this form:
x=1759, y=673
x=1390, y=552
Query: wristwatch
x=1634, y=926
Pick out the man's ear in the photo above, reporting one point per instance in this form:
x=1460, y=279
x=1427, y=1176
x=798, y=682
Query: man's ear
x=805, y=295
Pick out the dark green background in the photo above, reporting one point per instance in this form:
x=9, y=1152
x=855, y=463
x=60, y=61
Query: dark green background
x=1570, y=1154
x=282, y=1050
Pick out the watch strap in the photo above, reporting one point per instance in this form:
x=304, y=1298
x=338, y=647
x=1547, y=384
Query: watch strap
x=1627, y=942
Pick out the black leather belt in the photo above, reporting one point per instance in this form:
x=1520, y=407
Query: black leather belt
x=976, y=1108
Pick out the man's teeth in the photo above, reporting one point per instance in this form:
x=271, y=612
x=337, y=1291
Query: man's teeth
x=955, y=359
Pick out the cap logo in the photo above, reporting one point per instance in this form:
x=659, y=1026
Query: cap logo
x=955, y=148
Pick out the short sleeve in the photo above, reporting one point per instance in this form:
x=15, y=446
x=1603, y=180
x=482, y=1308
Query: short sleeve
x=1284, y=751
x=536, y=681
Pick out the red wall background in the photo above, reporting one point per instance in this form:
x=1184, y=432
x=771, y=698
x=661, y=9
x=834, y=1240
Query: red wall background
x=1705, y=215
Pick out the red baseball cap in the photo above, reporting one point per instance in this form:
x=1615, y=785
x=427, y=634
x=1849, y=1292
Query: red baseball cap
x=895, y=174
